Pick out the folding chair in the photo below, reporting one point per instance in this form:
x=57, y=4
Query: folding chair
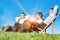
x=51, y=22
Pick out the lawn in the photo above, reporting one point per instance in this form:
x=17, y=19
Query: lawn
x=28, y=36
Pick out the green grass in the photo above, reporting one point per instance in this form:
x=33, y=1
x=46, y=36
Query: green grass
x=27, y=36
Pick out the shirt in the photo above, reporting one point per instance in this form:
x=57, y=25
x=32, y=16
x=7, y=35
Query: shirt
x=39, y=21
x=21, y=21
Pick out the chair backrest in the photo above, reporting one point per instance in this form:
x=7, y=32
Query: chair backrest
x=51, y=22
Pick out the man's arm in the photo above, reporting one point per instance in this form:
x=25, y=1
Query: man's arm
x=55, y=9
x=17, y=18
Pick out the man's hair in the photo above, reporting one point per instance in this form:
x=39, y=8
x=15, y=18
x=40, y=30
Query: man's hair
x=23, y=13
x=51, y=8
x=40, y=13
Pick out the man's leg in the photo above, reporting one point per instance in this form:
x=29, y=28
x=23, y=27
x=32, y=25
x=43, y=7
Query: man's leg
x=42, y=25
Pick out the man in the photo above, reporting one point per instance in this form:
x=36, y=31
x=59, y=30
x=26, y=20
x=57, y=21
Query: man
x=18, y=26
x=20, y=23
x=37, y=21
x=39, y=18
x=20, y=19
x=52, y=14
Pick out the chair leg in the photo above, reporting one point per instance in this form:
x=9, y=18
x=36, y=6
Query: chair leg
x=52, y=28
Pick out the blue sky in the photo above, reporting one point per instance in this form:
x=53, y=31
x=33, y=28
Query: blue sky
x=9, y=9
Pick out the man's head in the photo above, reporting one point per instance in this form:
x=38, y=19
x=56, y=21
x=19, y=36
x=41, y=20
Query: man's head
x=22, y=16
x=51, y=10
x=39, y=15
